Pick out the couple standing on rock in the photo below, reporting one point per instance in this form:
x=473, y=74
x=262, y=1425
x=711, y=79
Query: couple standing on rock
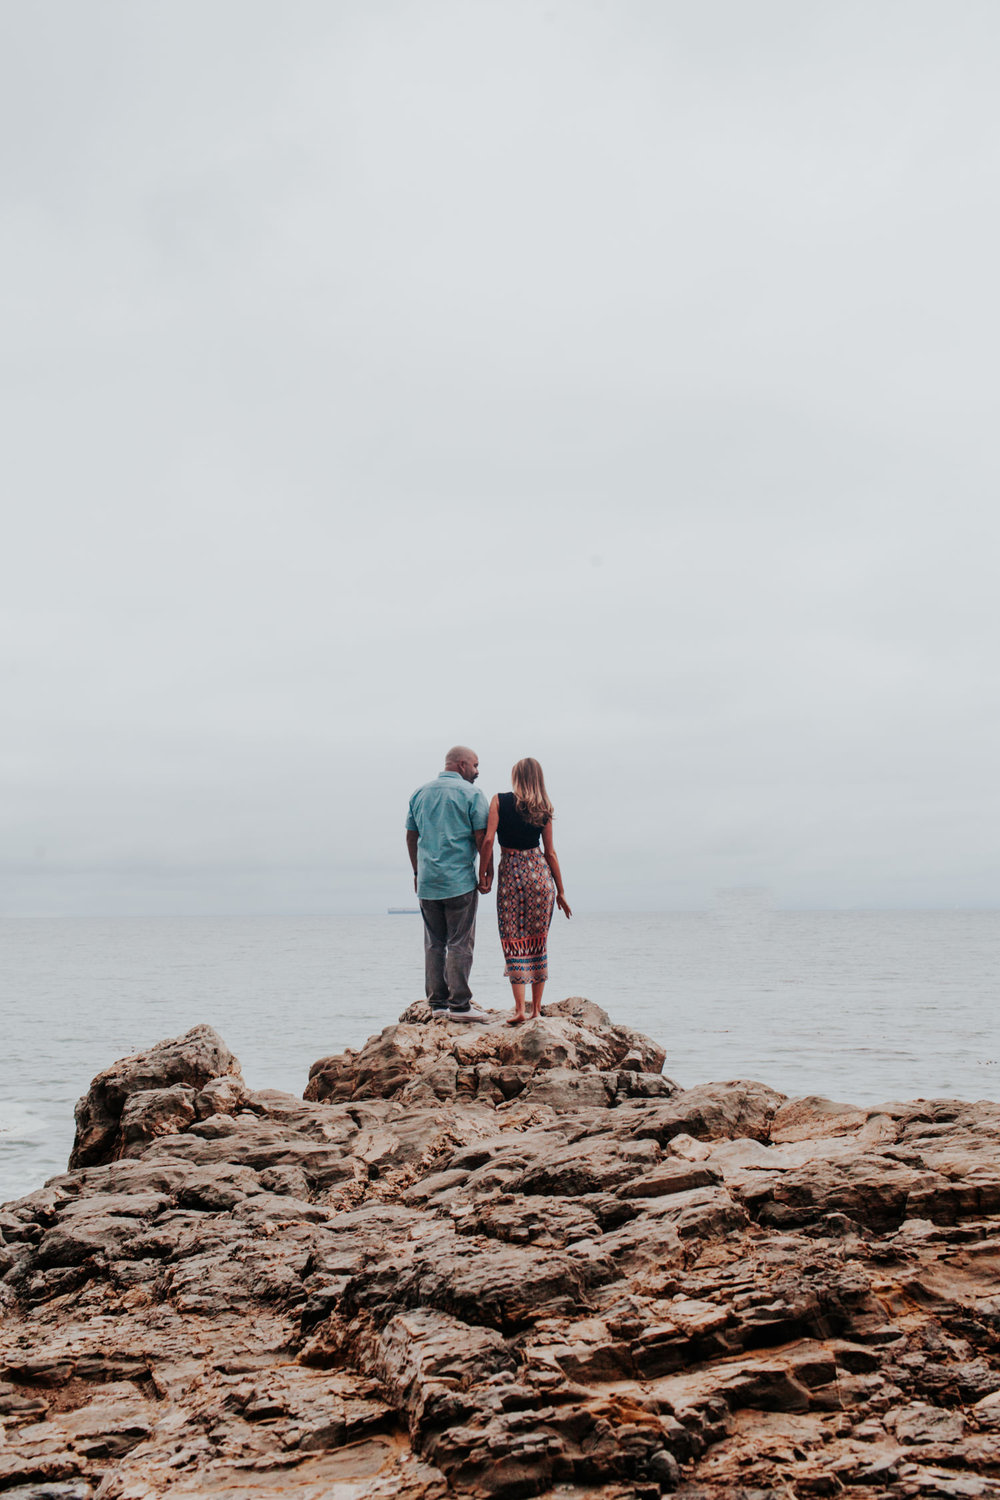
x=448, y=822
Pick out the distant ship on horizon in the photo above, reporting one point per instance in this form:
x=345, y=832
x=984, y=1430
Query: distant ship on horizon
x=403, y=911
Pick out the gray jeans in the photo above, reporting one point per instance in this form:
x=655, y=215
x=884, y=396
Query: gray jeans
x=449, y=936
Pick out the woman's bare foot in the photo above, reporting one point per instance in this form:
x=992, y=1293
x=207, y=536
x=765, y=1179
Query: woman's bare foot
x=517, y=1020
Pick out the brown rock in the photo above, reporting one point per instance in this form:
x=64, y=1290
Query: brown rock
x=222, y=1096
x=713, y=1111
x=498, y=1264
x=192, y=1059
x=920, y=1423
x=421, y=1062
x=153, y=1112
x=669, y=1177
x=814, y=1117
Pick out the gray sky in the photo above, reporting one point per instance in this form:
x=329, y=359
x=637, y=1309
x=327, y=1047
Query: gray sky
x=610, y=382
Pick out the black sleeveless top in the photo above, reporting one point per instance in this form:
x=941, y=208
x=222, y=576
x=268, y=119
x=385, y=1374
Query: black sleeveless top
x=513, y=831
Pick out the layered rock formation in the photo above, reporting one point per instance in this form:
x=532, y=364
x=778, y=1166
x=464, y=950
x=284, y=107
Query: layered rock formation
x=502, y=1262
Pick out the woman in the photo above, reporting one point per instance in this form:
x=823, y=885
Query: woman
x=529, y=883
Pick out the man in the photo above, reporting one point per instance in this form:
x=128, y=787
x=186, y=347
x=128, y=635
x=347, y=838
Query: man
x=444, y=831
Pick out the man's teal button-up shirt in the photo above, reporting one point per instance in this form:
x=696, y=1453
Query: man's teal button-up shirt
x=444, y=814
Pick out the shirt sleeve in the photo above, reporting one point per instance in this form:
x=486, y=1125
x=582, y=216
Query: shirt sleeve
x=480, y=810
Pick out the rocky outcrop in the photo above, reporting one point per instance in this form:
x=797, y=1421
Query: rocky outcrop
x=498, y=1261
x=154, y=1091
x=577, y=1059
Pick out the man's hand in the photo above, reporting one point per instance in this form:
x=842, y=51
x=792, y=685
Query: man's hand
x=486, y=883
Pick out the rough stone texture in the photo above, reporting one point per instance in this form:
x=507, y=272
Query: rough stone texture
x=499, y=1262
x=193, y=1059
x=577, y=1057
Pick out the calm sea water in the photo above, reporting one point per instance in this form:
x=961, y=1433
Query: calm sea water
x=862, y=1007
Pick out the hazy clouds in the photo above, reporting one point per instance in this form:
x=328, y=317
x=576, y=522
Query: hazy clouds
x=614, y=383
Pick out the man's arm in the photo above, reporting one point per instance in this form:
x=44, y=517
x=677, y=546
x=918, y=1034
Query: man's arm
x=411, y=849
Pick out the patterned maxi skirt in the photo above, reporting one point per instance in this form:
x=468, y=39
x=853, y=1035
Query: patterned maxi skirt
x=526, y=895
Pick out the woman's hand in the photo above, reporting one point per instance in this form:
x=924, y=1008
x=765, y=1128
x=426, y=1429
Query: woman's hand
x=563, y=905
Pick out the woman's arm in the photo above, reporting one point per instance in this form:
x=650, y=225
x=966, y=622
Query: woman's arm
x=553, y=864
x=486, y=848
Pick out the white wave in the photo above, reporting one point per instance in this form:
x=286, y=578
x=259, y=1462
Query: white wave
x=19, y=1122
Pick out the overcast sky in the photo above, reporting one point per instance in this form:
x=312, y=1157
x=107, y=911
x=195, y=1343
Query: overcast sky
x=611, y=381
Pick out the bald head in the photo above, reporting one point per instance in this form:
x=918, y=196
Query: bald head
x=463, y=760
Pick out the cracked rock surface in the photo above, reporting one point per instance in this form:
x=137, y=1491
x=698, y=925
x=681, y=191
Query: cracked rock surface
x=501, y=1261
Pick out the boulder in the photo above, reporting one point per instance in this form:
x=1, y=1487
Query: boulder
x=222, y=1096
x=814, y=1118
x=419, y=1060
x=192, y=1060
x=710, y=1112
x=153, y=1112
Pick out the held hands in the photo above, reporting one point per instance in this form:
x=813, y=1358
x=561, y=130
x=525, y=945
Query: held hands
x=485, y=884
x=563, y=905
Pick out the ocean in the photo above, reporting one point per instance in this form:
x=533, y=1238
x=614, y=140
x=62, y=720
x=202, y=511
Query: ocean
x=858, y=1006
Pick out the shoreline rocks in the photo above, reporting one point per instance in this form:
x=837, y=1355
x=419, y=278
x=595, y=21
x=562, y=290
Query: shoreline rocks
x=496, y=1261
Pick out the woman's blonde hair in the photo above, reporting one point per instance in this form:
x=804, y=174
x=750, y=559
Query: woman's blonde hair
x=531, y=798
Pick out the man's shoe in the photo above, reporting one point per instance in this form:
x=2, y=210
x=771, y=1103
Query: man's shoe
x=470, y=1014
